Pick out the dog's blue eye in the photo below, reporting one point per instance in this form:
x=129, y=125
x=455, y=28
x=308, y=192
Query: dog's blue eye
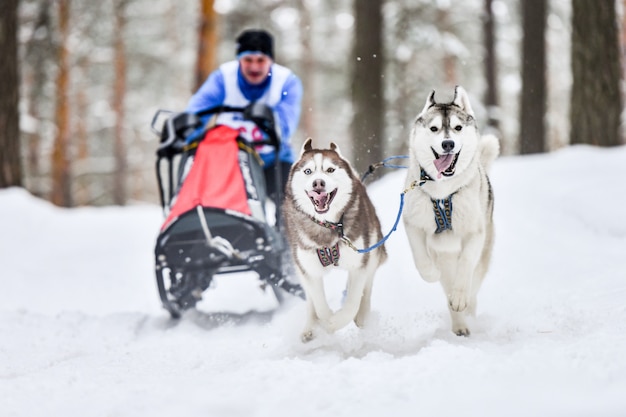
x=308, y=171
x=458, y=128
x=330, y=170
x=433, y=129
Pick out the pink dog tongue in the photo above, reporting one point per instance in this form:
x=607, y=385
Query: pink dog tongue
x=443, y=163
x=320, y=199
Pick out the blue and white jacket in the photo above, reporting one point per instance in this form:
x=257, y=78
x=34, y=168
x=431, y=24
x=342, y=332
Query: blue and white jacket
x=282, y=91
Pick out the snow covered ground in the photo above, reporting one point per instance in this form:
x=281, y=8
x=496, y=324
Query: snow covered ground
x=82, y=332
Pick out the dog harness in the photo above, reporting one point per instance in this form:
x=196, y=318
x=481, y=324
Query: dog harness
x=442, y=207
x=328, y=255
x=338, y=227
x=443, y=213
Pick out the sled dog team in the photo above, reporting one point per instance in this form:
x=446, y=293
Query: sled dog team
x=448, y=217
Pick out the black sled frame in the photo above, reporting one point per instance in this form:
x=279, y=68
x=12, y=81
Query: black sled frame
x=207, y=241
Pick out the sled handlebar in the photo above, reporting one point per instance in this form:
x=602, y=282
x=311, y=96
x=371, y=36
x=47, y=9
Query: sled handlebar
x=156, y=116
x=258, y=113
x=179, y=125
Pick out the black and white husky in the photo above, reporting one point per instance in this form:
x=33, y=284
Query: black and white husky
x=328, y=215
x=449, y=205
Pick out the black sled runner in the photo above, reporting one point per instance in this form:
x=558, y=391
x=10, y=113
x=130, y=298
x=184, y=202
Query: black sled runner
x=214, y=195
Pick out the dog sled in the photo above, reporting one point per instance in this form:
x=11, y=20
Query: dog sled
x=213, y=194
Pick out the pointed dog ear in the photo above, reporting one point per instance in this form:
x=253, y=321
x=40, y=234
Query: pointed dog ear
x=430, y=101
x=307, y=146
x=461, y=99
x=334, y=147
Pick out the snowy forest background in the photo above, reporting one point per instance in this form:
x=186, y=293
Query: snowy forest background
x=109, y=149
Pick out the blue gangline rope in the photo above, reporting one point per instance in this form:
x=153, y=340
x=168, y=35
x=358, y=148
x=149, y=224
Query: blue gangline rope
x=393, y=229
x=383, y=163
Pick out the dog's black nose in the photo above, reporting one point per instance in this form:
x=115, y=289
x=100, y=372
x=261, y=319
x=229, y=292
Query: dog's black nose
x=319, y=184
x=447, y=145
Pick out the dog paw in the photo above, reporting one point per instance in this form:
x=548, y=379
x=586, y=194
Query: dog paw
x=458, y=301
x=307, y=336
x=463, y=331
x=459, y=325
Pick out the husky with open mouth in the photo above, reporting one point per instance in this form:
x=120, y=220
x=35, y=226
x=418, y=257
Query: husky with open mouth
x=448, y=213
x=328, y=214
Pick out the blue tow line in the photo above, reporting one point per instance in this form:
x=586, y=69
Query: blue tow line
x=383, y=163
x=371, y=169
x=384, y=239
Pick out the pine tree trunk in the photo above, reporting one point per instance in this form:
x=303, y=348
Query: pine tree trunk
x=61, y=183
x=450, y=77
x=367, y=84
x=10, y=159
x=119, y=92
x=81, y=137
x=491, y=94
x=308, y=73
x=207, y=42
x=534, y=99
x=596, y=98
x=38, y=59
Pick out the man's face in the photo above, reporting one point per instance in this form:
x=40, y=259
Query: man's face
x=255, y=67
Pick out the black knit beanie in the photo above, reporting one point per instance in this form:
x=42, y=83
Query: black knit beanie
x=255, y=40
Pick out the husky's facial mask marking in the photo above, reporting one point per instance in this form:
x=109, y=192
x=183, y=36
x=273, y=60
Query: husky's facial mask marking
x=446, y=128
x=321, y=174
